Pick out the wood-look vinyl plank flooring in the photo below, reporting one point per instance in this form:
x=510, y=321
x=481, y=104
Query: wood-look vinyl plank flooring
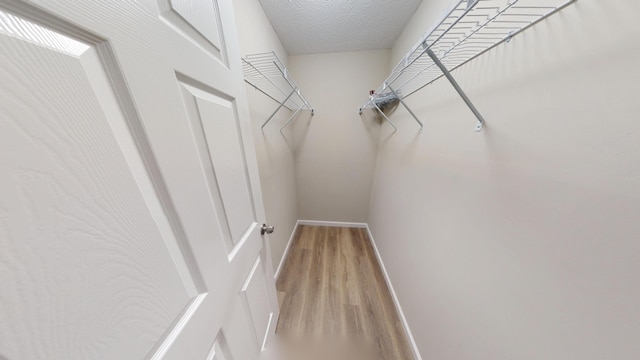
x=332, y=285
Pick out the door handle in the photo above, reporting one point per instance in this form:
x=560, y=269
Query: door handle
x=267, y=229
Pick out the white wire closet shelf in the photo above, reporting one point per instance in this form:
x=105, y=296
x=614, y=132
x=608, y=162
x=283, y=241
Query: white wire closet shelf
x=266, y=73
x=468, y=29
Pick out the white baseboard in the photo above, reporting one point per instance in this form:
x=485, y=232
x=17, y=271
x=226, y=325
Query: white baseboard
x=332, y=224
x=286, y=251
x=403, y=319
x=313, y=223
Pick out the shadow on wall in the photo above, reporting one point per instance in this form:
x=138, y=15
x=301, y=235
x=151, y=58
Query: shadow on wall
x=299, y=131
x=372, y=120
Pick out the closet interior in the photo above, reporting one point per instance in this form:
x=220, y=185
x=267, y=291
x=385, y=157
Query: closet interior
x=468, y=29
x=469, y=225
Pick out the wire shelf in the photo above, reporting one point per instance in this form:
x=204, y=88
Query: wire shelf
x=469, y=28
x=267, y=73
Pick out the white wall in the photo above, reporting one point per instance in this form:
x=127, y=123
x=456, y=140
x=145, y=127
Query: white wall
x=523, y=241
x=274, y=153
x=336, y=150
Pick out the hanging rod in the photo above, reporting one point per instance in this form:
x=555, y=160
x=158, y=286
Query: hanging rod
x=467, y=30
x=267, y=74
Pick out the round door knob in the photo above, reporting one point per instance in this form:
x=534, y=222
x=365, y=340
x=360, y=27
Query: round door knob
x=267, y=229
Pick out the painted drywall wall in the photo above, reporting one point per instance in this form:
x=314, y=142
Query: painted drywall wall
x=336, y=150
x=274, y=153
x=523, y=241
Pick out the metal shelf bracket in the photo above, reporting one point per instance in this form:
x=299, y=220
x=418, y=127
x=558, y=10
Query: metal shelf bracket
x=468, y=29
x=266, y=73
x=455, y=85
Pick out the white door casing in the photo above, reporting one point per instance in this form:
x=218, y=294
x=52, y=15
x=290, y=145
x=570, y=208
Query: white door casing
x=130, y=206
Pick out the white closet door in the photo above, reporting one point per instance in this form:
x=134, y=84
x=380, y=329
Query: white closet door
x=130, y=208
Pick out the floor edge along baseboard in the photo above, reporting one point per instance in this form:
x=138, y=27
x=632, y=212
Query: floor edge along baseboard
x=333, y=224
x=396, y=303
x=286, y=251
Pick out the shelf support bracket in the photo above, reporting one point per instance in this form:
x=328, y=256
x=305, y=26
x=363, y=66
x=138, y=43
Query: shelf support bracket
x=455, y=85
x=278, y=109
x=406, y=107
x=385, y=116
x=294, y=115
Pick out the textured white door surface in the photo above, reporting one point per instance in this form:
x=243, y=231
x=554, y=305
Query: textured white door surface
x=130, y=207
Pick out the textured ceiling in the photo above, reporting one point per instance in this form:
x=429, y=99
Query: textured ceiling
x=315, y=26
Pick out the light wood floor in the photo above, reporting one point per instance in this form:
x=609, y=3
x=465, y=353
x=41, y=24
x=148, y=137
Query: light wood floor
x=332, y=284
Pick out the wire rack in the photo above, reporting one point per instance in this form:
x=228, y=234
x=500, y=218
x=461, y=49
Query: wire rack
x=468, y=29
x=266, y=73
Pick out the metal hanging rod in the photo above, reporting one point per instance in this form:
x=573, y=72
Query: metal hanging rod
x=468, y=29
x=266, y=73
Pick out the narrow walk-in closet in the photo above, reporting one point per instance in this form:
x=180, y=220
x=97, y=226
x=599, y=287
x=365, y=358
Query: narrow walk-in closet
x=449, y=179
x=319, y=180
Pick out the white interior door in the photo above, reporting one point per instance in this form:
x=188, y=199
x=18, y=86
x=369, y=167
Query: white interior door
x=130, y=207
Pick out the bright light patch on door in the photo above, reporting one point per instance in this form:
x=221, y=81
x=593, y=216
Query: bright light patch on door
x=22, y=29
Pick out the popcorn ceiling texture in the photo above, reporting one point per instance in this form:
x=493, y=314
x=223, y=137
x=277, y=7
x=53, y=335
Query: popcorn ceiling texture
x=317, y=26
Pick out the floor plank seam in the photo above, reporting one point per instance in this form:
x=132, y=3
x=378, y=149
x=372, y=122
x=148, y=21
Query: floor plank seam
x=332, y=284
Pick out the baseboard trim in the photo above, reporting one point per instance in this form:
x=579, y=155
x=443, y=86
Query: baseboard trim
x=332, y=223
x=396, y=303
x=286, y=251
x=403, y=319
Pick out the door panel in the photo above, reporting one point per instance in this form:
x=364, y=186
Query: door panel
x=198, y=21
x=129, y=194
x=202, y=15
x=80, y=243
x=215, y=124
x=254, y=291
x=218, y=351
